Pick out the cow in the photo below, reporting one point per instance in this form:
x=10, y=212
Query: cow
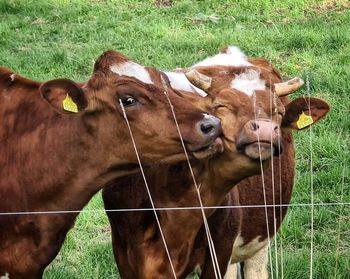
x=256, y=124
x=274, y=187
x=61, y=142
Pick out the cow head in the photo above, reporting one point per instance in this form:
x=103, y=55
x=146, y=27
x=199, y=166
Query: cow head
x=120, y=87
x=248, y=97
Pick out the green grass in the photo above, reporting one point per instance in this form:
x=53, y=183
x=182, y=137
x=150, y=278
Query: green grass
x=60, y=38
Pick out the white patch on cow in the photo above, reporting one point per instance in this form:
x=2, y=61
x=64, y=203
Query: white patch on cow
x=12, y=77
x=233, y=57
x=132, y=69
x=231, y=270
x=196, y=271
x=179, y=81
x=256, y=266
x=248, y=82
x=6, y=276
x=207, y=116
x=253, y=254
x=242, y=252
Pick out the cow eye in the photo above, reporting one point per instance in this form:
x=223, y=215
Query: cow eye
x=217, y=105
x=129, y=101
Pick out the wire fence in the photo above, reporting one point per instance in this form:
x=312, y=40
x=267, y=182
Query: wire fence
x=274, y=273
x=98, y=211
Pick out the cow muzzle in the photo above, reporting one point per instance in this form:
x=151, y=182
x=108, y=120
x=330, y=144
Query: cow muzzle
x=209, y=129
x=260, y=139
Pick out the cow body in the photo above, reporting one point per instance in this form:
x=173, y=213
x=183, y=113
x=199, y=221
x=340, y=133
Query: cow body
x=53, y=160
x=138, y=247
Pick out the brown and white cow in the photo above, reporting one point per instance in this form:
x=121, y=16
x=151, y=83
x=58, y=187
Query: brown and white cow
x=254, y=120
x=60, y=143
x=250, y=244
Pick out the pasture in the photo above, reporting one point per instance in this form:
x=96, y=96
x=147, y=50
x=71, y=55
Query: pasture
x=309, y=38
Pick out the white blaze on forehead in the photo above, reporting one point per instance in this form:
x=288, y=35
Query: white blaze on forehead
x=248, y=82
x=179, y=81
x=233, y=57
x=12, y=77
x=132, y=69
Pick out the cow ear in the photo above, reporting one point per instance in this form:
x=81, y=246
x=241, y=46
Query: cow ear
x=64, y=95
x=304, y=112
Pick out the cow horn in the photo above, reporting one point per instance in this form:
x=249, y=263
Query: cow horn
x=288, y=87
x=197, y=79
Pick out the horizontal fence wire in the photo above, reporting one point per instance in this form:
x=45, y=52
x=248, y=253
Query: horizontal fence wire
x=171, y=208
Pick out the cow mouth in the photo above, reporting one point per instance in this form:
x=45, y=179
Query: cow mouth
x=215, y=147
x=259, y=150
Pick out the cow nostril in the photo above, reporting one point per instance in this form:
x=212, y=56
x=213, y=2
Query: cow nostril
x=206, y=128
x=209, y=127
x=276, y=128
x=278, y=149
x=255, y=126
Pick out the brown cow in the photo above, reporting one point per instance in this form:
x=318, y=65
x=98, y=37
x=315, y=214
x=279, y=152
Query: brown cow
x=242, y=96
x=60, y=143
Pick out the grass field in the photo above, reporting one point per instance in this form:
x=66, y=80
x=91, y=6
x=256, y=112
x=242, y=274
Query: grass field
x=60, y=38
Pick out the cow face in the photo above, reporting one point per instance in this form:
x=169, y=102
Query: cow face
x=252, y=124
x=249, y=101
x=120, y=87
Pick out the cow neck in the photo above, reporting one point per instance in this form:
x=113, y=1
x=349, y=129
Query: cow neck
x=225, y=171
x=57, y=160
x=182, y=226
x=89, y=164
x=216, y=179
x=213, y=187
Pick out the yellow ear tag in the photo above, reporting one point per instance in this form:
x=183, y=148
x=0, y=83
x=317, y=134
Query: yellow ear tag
x=69, y=105
x=304, y=121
